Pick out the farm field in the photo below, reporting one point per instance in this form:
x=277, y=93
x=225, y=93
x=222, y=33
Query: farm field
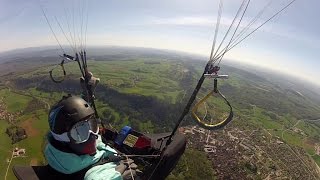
x=149, y=94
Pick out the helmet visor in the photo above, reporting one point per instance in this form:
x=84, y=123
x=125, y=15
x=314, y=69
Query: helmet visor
x=80, y=132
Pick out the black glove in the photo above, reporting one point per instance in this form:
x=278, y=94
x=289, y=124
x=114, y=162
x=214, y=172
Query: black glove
x=92, y=83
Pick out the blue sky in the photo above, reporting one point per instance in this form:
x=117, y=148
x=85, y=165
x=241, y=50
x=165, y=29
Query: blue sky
x=289, y=43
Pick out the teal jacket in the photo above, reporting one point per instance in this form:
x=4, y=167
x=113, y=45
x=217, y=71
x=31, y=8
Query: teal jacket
x=69, y=163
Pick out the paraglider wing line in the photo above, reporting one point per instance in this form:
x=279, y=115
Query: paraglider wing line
x=244, y=12
x=231, y=25
x=217, y=28
x=276, y=14
x=47, y=20
x=64, y=33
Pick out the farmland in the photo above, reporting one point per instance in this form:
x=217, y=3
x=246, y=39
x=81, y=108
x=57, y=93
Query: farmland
x=149, y=93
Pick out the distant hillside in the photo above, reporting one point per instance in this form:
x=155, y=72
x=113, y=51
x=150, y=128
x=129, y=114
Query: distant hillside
x=148, y=89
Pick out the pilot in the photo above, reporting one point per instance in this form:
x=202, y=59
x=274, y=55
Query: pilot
x=75, y=149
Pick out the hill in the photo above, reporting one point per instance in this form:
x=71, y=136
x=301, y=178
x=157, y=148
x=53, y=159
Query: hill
x=148, y=89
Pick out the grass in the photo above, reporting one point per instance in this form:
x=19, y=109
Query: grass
x=263, y=120
x=33, y=145
x=146, y=127
x=308, y=128
x=133, y=77
x=293, y=138
x=125, y=122
x=103, y=108
x=160, y=80
x=17, y=103
x=189, y=167
x=14, y=102
x=5, y=147
x=316, y=158
x=51, y=98
x=111, y=116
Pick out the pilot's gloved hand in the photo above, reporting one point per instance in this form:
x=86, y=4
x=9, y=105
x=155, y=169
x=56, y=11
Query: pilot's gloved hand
x=92, y=83
x=127, y=168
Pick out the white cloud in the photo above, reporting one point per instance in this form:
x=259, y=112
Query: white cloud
x=190, y=45
x=204, y=21
x=186, y=21
x=270, y=29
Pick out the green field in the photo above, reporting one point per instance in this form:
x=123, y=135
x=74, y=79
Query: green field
x=37, y=127
x=34, y=144
x=189, y=167
x=14, y=102
x=316, y=159
x=5, y=147
x=159, y=79
x=158, y=86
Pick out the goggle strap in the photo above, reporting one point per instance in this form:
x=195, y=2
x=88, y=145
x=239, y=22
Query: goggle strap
x=61, y=137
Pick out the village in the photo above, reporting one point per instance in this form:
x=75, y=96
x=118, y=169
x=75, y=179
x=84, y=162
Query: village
x=15, y=132
x=238, y=154
x=317, y=148
x=234, y=153
x=4, y=114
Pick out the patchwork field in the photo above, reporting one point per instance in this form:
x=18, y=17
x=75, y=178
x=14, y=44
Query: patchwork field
x=149, y=94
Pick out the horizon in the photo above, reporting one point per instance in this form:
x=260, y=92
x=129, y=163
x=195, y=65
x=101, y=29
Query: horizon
x=288, y=44
x=228, y=62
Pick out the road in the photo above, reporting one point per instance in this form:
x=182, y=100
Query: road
x=5, y=177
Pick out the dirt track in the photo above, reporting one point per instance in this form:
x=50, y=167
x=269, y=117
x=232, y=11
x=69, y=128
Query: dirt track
x=30, y=130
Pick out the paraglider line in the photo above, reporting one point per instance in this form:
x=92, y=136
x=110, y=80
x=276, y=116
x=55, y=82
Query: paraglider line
x=43, y=12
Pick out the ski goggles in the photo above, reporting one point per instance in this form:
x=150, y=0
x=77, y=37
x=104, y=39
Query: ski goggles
x=79, y=132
